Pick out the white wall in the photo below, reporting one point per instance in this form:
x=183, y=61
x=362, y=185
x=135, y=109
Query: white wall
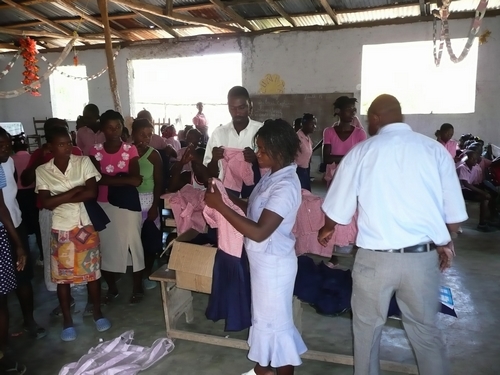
x=308, y=62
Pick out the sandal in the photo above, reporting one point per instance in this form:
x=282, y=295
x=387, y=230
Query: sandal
x=102, y=324
x=57, y=310
x=136, y=298
x=68, y=334
x=110, y=297
x=35, y=330
x=16, y=369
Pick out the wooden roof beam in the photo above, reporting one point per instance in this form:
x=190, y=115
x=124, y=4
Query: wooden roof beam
x=233, y=15
x=70, y=8
x=38, y=16
x=46, y=34
x=26, y=2
x=112, y=17
x=281, y=11
x=159, y=11
x=169, y=7
x=166, y=28
x=328, y=9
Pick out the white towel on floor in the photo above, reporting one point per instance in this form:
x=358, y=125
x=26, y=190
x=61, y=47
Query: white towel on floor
x=119, y=357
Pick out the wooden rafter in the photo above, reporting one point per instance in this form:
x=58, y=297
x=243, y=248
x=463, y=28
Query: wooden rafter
x=113, y=17
x=103, y=8
x=38, y=16
x=158, y=11
x=26, y=3
x=278, y=8
x=329, y=10
x=70, y=8
x=233, y=15
x=169, y=7
x=46, y=34
x=168, y=29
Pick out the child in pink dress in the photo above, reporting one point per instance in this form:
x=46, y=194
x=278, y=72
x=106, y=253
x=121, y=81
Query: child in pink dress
x=337, y=142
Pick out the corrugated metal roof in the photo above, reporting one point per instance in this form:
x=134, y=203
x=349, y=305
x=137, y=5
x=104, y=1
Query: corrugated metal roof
x=320, y=20
x=93, y=8
x=254, y=10
x=193, y=31
x=379, y=14
x=269, y=23
x=51, y=10
x=13, y=15
x=360, y=4
x=214, y=13
x=179, y=3
x=148, y=34
x=299, y=6
x=469, y=5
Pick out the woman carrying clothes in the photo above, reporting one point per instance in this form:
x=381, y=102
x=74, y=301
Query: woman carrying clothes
x=274, y=341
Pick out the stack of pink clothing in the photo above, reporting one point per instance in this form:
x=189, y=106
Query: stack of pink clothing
x=187, y=205
x=229, y=239
x=236, y=170
x=310, y=219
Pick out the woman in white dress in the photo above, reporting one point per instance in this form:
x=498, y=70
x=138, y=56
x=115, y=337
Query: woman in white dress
x=274, y=341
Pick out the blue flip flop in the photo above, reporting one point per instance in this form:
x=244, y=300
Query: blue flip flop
x=68, y=334
x=102, y=324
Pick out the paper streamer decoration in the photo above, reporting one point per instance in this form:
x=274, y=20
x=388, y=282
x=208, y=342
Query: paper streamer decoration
x=88, y=78
x=9, y=66
x=25, y=89
x=443, y=14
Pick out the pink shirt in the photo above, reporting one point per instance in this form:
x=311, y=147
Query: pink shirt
x=483, y=165
x=21, y=160
x=187, y=205
x=339, y=147
x=158, y=142
x=236, y=170
x=112, y=164
x=468, y=174
x=229, y=239
x=303, y=157
x=451, y=146
x=173, y=142
x=86, y=139
x=200, y=120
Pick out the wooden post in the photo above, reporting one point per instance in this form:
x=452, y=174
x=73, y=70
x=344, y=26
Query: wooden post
x=103, y=8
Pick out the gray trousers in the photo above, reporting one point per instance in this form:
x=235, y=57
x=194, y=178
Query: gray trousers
x=415, y=278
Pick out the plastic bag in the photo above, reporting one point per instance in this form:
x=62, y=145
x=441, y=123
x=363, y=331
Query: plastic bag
x=119, y=357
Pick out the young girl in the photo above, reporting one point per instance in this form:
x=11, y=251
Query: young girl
x=150, y=166
x=118, y=163
x=196, y=175
x=271, y=210
x=63, y=184
x=8, y=277
x=338, y=140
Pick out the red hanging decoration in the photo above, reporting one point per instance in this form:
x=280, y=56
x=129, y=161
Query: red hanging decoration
x=75, y=60
x=30, y=73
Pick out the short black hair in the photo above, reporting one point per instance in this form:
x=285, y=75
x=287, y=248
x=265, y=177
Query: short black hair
x=54, y=122
x=4, y=134
x=306, y=117
x=280, y=139
x=140, y=123
x=144, y=114
x=55, y=132
x=238, y=92
x=343, y=102
x=445, y=127
x=110, y=115
x=93, y=109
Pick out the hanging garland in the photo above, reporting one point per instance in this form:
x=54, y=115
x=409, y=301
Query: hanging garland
x=30, y=73
x=88, y=78
x=443, y=14
x=9, y=66
x=22, y=90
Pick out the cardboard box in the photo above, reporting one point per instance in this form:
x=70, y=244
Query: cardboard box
x=193, y=264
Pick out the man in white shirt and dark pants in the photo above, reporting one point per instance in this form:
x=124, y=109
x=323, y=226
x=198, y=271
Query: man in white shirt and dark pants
x=239, y=133
x=408, y=196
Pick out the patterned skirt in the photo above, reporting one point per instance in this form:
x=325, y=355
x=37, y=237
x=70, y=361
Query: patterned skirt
x=146, y=200
x=7, y=273
x=75, y=256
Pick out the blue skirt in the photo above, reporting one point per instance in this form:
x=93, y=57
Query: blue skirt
x=230, y=298
x=304, y=177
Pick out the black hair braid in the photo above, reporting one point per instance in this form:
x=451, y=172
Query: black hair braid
x=280, y=140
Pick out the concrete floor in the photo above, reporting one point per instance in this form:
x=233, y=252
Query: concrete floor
x=473, y=339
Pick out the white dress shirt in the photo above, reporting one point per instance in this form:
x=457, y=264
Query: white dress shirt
x=404, y=186
x=226, y=136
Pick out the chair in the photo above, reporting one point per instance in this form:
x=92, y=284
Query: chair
x=38, y=125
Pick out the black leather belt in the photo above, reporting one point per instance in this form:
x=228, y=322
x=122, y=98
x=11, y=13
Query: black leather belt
x=423, y=248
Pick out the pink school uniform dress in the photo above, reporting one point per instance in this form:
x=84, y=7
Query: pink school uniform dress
x=121, y=243
x=451, y=146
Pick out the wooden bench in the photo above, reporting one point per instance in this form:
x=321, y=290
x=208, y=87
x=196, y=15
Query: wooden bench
x=178, y=302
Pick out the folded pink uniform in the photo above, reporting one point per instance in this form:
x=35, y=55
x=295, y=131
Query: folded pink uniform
x=310, y=219
x=229, y=239
x=187, y=205
x=236, y=170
